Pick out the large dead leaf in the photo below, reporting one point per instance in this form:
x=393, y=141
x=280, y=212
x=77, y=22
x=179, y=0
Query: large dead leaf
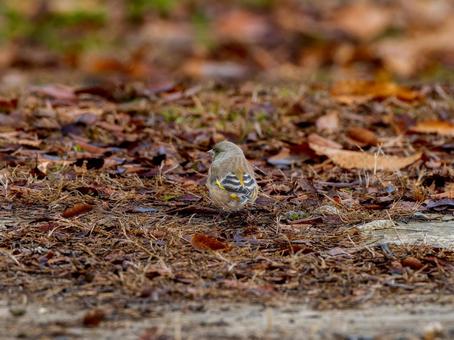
x=363, y=90
x=434, y=126
x=362, y=160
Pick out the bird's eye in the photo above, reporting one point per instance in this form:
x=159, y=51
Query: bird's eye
x=214, y=152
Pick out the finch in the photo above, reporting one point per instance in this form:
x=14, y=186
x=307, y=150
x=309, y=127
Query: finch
x=231, y=182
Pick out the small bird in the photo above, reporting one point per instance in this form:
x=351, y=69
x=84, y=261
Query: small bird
x=231, y=182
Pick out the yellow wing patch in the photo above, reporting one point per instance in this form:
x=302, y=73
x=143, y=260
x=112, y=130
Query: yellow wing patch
x=240, y=175
x=219, y=185
x=234, y=197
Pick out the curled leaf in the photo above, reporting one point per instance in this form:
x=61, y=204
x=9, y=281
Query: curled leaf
x=205, y=242
x=412, y=262
x=362, y=135
x=77, y=209
x=93, y=318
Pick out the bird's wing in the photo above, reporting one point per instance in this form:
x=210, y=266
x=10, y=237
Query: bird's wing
x=243, y=186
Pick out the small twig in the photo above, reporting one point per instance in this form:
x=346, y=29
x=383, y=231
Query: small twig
x=11, y=256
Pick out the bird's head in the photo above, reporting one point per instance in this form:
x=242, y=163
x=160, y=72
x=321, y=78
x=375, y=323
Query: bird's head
x=223, y=148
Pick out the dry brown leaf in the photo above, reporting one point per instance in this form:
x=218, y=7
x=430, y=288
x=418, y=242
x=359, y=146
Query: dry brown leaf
x=408, y=54
x=77, y=209
x=364, y=90
x=412, y=262
x=434, y=126
x=243, y=26
x=362, y=135
x=93, y=317
x=14, y=137
x=58, y=91
x=205, y=242
x=313, y=138
x=362, y=160
x=284, y=158
x=328, y=122
x=362, y=20
x=168, y=34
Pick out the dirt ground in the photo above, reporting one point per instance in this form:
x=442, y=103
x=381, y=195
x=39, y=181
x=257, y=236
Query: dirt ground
x=344, y=109
x=106, y=229
x=240, y=321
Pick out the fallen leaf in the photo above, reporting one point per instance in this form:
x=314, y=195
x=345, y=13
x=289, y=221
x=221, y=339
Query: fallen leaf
x=93, y=318
x=412, y=262
x=405, y=55
x=362, y=160
x=319, y=140
x=169, y=34
x=8, y=104
x=362, y=135
x=363, y=20
x=364, y=90
x=445, y=202
x=395, y=267
x=293, y=154
x=205, y=242
x=90, y=147
x=284, y=158
x=56, y=92
x=105, y=91
x=154, y=271
x=336, y=251
x=328, y=122
x=77, y=209
x=440, y=127
x=242, y=26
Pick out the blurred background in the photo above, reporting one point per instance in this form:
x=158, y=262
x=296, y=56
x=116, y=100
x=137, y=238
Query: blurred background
x=226, y=39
